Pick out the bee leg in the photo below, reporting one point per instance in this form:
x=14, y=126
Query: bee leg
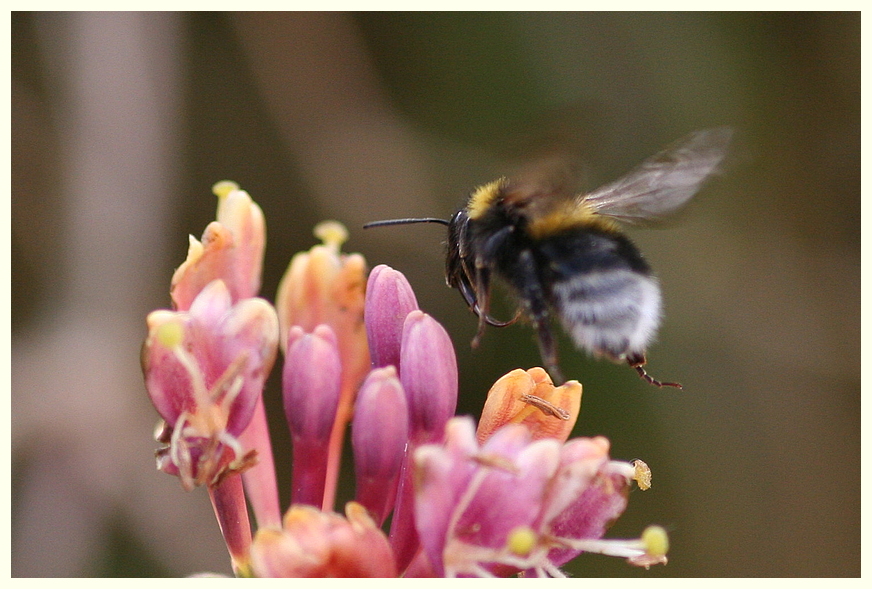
x=637, y=361
x=536, y=307
x=548, y=349
x=482, y=290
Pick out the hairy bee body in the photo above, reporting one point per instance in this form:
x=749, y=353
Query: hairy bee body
x=602, y=290
x=564, y=256
x=582, y=271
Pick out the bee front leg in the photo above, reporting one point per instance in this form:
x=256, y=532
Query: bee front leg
x=482, y=289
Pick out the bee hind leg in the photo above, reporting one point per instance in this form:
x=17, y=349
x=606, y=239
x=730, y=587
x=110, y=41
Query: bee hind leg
x=548, y=350
x=535, y=306
x=637, y=361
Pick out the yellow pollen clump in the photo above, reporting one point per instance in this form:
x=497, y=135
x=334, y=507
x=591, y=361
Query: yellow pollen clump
x=224, y=188
x=656, y=541
x=170, y=334
x=642, y=475
x=521, y=541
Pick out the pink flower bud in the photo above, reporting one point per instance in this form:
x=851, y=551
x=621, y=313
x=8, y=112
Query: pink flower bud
x=378, y=435
x=311, y=385
x=389, y=298
x=428, y=371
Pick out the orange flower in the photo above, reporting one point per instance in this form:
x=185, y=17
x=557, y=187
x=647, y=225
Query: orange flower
x=530, y=398
x=325, y=286
x=231, y=249
x=313, y=543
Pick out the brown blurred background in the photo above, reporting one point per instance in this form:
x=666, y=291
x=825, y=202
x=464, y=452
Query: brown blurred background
x=122, y=122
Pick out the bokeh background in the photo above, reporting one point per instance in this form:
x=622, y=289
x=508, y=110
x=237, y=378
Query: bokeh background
x=121, y=123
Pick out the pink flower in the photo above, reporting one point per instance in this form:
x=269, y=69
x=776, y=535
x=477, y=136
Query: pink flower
x=232, y=250
x=428, y=373
x=512, y=497
x=204, y=370
x=325, y=286
x=514, y=504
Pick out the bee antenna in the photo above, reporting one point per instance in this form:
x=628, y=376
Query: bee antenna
x=405, y=222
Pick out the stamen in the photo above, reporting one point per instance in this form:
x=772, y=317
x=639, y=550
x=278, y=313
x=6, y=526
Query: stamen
x=642, y=474
x=226, y=383
x=198, y=381
x=171, y=334
x=656, y=541
x=465, y=500
x=495, y=461
x=648, y=550
x=546, y=407
x=521, y=540
x=332, y=233
x=224, y=188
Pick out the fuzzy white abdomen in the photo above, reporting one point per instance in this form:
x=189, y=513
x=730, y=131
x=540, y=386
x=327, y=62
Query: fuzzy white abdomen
x=609, y=312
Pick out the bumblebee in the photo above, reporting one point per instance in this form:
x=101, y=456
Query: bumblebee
x=564, y=255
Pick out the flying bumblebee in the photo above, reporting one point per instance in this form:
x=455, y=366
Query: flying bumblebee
x=563, y=254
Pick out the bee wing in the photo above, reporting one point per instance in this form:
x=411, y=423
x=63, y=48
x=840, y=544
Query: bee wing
x=664, y=182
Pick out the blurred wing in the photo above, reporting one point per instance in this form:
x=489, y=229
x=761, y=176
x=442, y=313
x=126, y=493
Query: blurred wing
x=664, y=182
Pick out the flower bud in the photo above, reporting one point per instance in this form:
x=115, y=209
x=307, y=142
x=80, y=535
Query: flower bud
x=311, y=384
x=313, y=543
x=428, y=371
x=325, y=286
x=231, y=249
x=378, y=435
x=389, y=298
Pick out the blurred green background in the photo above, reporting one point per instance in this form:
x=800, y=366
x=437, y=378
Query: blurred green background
x=121, y=123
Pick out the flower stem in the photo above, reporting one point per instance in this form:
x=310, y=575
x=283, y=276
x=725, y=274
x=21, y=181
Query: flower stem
x=260, y=480
x=334, y=447
x=228, y=501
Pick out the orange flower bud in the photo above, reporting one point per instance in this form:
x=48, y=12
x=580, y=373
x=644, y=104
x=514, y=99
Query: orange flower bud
x=231, y=250
x=326, y=286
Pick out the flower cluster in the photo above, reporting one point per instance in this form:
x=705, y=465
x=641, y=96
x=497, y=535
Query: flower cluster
x=512, y=495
